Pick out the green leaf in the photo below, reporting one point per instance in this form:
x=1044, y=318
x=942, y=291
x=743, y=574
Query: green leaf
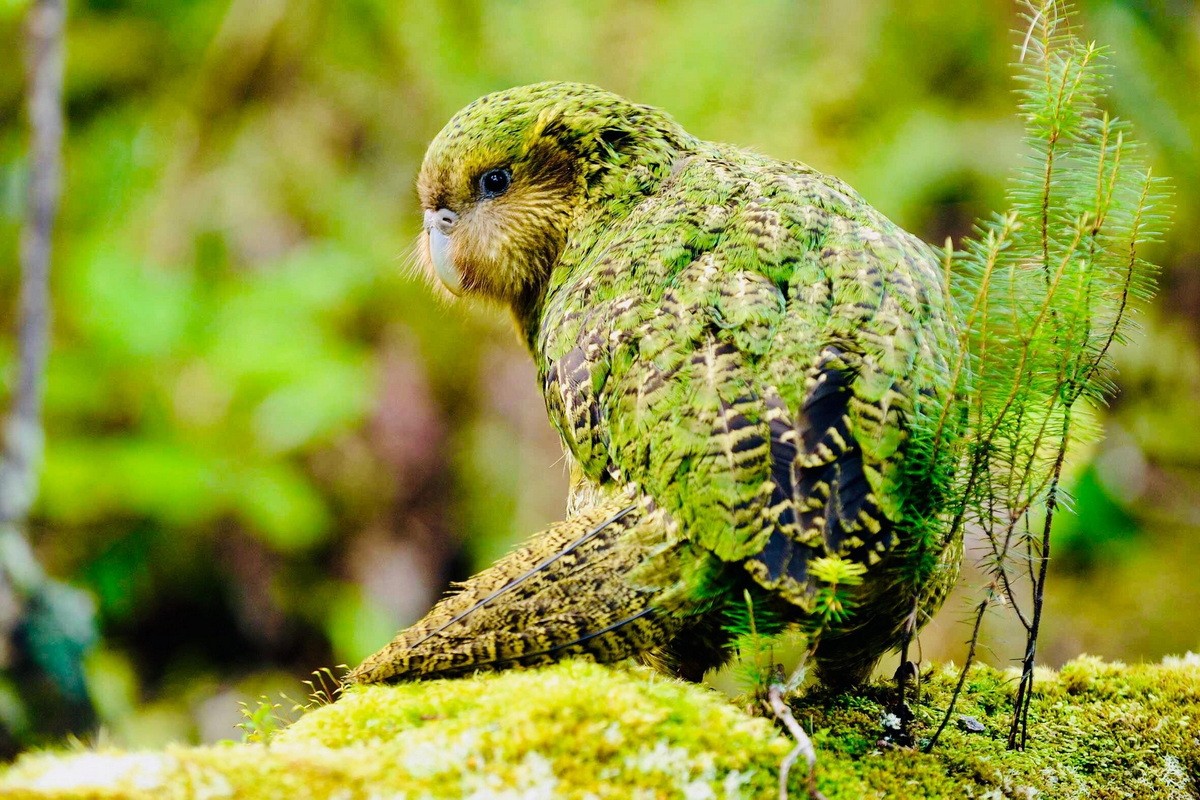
x=89, y=479
x=128, y=307
x=327, y=400
x=279, y=505
x=356, y=627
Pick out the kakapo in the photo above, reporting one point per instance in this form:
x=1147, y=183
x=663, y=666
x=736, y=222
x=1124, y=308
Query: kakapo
x=745, y=362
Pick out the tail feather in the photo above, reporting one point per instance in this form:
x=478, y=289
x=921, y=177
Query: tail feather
x=594, y=584
x=497, y=582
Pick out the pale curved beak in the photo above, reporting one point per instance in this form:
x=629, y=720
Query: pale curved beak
x=438, y=225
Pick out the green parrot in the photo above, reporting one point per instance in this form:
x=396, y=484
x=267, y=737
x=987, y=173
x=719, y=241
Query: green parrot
x=749, y=367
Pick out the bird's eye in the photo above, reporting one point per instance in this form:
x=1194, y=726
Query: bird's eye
x=494, y=182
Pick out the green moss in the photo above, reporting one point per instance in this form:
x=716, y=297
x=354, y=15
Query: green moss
x=580, y=730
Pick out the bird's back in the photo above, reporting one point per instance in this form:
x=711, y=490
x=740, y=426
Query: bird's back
x=767, y=357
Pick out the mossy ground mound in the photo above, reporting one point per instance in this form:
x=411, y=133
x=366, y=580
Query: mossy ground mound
x=580, y=730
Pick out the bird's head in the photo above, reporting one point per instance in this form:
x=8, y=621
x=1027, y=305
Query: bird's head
x=503, y=182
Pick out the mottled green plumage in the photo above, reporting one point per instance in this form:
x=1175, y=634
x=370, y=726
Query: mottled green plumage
x=738, y=350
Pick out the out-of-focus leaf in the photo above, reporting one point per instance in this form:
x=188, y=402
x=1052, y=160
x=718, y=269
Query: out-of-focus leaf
x=71, y=386
x=320, y=280
x=121, y=574
x=111, y=53
x=87, y=480
x=355, y=626
x=12, y=8
x=317, y=405
x=130, y=309
x=112, y=682
x=256, y=336
x=1099, y=527
x=278, y=504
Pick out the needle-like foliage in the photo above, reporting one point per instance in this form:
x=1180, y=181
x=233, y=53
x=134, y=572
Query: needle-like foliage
x=1044, y=290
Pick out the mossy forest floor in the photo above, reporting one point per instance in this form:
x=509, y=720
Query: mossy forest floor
x=580, y=730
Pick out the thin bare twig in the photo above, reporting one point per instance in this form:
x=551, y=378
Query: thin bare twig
x=804, y=746
x=23, y=437
x=962, y=676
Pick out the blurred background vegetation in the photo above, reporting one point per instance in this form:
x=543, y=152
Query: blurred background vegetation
x=270, y=446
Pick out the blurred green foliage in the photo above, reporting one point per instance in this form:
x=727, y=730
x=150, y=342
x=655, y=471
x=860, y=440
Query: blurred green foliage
x=269, y=445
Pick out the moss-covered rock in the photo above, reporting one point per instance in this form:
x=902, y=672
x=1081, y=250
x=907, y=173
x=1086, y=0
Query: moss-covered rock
x=580, y=730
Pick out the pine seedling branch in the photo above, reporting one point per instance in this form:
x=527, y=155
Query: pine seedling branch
x=1044, y=290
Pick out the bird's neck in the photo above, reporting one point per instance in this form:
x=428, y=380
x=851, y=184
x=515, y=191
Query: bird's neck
x=527, y=313
x=611, y=196
x=626, y=177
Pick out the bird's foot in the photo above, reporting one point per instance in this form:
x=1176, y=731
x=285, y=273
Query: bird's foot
x=898, y=716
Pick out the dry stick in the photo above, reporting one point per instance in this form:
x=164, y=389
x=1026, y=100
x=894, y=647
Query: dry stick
x=23, y=436
x=962, y=676
x=1001, y=557
x=804, y=745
